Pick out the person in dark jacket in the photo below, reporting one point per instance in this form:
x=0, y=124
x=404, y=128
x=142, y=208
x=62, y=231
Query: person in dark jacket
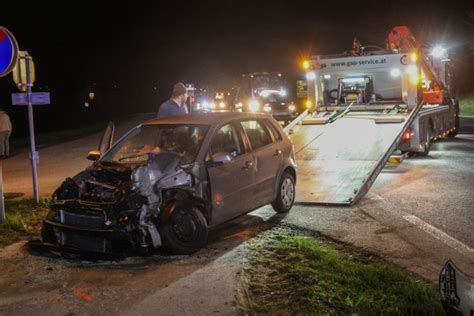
x=176, y=105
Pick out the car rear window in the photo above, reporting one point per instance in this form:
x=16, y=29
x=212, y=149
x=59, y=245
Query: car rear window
x=257, y=133
x=276, y=134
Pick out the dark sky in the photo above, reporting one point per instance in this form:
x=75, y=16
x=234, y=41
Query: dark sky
x=139, y=45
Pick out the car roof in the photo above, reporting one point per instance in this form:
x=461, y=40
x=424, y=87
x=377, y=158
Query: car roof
x=206, y=118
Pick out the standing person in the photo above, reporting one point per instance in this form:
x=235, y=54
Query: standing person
x=5, y=132
x=176, y=105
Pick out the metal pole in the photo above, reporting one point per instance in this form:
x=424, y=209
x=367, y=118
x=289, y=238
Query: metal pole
x=33, y=155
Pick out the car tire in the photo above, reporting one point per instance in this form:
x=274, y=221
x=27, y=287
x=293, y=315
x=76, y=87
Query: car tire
x=286, y=194
x=185, y=230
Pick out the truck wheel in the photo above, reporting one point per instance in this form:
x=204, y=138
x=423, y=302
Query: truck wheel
x=426, y=145
x=454, y=132
x=185, y=230
x=286, y=194
x=457, y=124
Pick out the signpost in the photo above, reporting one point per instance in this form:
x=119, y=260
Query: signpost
x=21, y=63
x=33, y=153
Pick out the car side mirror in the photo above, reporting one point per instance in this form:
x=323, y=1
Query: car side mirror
x=221, y=158
x=93, y=154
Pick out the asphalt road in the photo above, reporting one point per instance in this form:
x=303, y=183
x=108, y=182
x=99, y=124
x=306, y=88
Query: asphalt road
x=438, y=189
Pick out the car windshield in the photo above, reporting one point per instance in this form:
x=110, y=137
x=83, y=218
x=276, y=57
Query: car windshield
x=182, y=139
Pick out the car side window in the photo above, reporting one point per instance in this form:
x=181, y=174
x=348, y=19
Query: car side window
x=226, y=140
x=276, y=134
x=258, y=135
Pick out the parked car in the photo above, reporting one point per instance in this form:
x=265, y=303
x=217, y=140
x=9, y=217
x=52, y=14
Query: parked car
x=168, y=181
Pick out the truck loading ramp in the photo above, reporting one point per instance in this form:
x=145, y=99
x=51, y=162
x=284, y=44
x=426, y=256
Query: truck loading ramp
x=338, y=162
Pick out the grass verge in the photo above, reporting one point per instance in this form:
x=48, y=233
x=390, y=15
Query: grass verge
x=23, y=220
x=294, y=274
x=466, y=105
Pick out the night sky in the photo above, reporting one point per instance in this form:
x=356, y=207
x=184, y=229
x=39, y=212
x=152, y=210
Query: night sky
x=131, y=54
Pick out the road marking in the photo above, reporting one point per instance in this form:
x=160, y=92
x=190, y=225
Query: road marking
x=438, y=234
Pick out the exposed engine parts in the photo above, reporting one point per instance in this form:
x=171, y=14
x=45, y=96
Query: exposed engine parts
x=122, y=202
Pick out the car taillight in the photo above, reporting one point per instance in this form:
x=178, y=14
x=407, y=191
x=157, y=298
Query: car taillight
x=408, y=135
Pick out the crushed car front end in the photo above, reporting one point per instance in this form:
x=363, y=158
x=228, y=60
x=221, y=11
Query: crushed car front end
x=116, y=209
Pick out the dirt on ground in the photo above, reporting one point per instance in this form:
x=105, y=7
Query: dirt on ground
x=203, y=283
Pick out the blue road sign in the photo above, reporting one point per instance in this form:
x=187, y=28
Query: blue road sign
x=8, y=51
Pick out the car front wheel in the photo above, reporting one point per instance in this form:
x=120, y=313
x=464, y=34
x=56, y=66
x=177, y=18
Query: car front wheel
x=185, y=231
x=285, y=195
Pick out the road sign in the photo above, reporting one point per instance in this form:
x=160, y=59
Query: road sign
x=37, y=98
x=19, y=71
x=8, y=51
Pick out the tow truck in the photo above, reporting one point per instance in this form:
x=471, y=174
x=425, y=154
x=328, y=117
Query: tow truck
x=366, y=106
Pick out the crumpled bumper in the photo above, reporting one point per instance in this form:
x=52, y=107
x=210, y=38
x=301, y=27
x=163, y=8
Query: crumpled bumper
x=87, y=242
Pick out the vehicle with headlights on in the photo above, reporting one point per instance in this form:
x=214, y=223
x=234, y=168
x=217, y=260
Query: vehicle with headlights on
x=218, y=101
x=168, y=181
x=265, y=92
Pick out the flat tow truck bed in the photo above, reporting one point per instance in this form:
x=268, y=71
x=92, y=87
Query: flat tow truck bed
x=335, y=160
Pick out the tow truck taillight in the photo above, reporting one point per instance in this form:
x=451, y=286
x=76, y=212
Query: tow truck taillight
x=408, y=135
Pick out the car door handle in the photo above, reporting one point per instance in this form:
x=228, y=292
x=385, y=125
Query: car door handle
x=248, y=165
x=277, y=152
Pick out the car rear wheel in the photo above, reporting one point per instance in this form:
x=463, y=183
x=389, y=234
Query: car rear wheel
x=286, y=194
x=185, y=231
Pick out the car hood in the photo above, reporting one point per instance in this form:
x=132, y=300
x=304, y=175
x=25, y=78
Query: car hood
x=110, y=183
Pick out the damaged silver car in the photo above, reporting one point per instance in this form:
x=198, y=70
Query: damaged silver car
x=168, y=181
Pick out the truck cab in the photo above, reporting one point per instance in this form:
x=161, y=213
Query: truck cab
x=389, y=81
x=263, y=92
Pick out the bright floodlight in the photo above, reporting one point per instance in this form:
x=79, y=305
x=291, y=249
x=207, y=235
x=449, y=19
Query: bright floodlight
x=254, y=106
x=395, y=72
x=311, y=75
x=438, y=51
x=283, y=92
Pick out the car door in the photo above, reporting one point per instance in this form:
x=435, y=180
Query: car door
x=277, y=140
x=232, y=182
x=267, y=158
